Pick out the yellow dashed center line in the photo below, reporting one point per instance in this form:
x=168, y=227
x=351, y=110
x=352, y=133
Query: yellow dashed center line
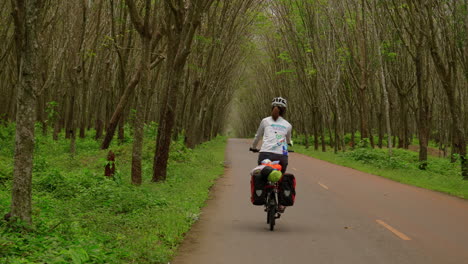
x=393, y=230
x=323, y=185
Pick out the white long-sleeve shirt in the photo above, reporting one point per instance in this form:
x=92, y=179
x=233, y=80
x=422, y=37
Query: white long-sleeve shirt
x=276, y=135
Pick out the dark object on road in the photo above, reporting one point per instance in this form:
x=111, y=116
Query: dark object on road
x=287, y=190
x=110, y=166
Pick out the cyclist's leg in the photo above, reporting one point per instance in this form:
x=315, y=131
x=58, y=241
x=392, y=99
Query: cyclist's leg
x=284, y=163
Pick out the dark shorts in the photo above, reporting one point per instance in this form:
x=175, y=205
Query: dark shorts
x=283, y=160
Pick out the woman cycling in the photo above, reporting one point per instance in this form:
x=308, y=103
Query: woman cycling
x=276, y=133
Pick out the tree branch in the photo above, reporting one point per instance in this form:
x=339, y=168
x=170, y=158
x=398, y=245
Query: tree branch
x=135, y=17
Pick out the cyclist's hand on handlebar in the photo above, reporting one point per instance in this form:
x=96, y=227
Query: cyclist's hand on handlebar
x=253, y=150
x=290, y=145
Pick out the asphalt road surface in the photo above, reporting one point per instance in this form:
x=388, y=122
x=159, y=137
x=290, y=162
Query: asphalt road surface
x=341, y=216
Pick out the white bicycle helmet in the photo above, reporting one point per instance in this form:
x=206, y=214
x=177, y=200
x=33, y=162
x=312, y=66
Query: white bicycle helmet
x=279, y=101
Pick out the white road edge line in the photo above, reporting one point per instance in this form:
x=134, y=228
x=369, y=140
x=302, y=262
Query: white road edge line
x=393, y=230
x=295, y=169
x=323, y=185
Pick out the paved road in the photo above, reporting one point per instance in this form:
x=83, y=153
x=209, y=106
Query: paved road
x=341, y=216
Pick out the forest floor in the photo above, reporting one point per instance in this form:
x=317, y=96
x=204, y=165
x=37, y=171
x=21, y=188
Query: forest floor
x=440, y=175
x=80, y=216
x=430, y=151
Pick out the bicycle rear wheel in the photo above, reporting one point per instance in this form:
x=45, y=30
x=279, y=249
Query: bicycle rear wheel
x=271, y=216
x=268, y=215
x=267, y=206
x=271, y=210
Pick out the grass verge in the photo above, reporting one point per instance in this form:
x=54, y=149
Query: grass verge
x=441, y=175
x=82, y=217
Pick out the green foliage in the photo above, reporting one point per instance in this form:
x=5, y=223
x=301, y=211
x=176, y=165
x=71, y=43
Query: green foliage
x=81, y=216
x=285, y=71
x=132, y=115
x=107, y=41
x=151, y=130
x=388, y=51
x=311, y=71
x=344, y=54
x=376, y=158
x=351, y=22
x=6, y=171
x=51, y=111
x=261, y=23
x=203, y=39
x=285, y=57
x=7, y=140
x=90, y=53
x=195, y=67
x=179, y=152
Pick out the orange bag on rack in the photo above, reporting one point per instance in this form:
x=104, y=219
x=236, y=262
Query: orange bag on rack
x=274, y=164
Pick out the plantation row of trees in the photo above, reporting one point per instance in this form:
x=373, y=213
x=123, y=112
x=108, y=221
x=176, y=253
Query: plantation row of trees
x=384, y=71
x=102, y=64
x=390, y=70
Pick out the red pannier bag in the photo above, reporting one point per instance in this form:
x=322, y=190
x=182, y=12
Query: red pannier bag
x=257, y=189
x=287, y=190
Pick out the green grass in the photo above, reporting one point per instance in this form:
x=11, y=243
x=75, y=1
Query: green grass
x=80, y=216
x=403, y=166
x=357, y=136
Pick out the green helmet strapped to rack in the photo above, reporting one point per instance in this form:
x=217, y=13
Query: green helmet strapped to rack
x=275, y=176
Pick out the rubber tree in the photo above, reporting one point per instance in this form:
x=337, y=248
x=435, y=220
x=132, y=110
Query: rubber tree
x=147, y=29
x=209, y=88
x=443, y=46
x=409, y=20
x=26, y=15
x=182, y=19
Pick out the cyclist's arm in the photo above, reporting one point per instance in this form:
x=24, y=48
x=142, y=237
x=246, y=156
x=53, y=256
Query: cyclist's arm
x=288, y=136
x=260, y=131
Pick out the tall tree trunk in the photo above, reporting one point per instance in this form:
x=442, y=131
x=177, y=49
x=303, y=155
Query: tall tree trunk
x=167, y=121
x=423, y=111
x=124, y=100
x=25, y=15
x=383, y=84
x=316, y=133
x=41, y=113
x=322, y=132
x=181, y=38
x=448, y=73
x=76, y=73
x=84, y=107
x=142, y=26
x=71, y=125
x=364, y=109
x=145, y=30
x=140, y=112
x=121, y=134
x=353, y=130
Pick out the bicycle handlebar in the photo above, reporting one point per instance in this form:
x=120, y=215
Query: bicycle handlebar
x=254, y=150
x=257, y=150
